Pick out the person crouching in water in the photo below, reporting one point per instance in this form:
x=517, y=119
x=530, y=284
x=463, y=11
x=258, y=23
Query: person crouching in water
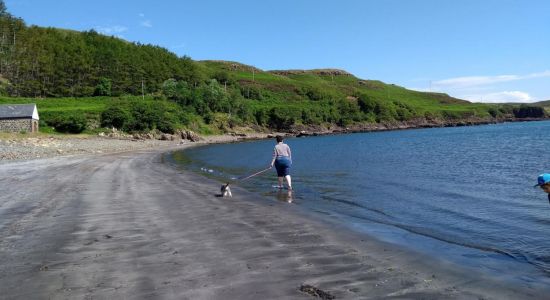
x=544, y=183
x=282, y=160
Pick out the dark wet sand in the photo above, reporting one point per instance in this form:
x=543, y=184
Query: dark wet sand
x=128, y=226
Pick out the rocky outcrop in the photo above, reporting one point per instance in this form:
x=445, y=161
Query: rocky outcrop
x=167, y=137
x=188, y=135
x=154, y=135
x=324, y=72
x=143, y=136
x=234, y=66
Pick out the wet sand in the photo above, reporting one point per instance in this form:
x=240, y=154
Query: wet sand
x=128, y=225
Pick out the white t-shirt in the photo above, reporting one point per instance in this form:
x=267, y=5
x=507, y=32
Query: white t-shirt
x=282, y=149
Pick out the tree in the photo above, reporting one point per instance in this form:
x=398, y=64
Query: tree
x=222, y=77
x=169, y=88
x=103, y=88
x=49, y=62
x=214, y=96
x=3, y=9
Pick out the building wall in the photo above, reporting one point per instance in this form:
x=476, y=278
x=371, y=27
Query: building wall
x=34, y=126
x=16, y=125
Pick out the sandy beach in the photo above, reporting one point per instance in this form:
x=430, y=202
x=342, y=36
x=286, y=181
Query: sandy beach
x=127, y=225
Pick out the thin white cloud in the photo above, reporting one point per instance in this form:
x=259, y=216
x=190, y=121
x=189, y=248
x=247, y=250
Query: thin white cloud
x=470, y=81
x=112, y=30
x=146, y=23
x=489, y=97
x=501, y=97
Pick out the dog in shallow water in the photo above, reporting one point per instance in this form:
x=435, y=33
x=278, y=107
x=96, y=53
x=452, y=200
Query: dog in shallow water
x=226, y=190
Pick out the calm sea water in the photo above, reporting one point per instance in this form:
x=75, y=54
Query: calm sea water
x=464, y=192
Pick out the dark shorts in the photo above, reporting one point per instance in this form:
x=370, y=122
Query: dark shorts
x=282, y=164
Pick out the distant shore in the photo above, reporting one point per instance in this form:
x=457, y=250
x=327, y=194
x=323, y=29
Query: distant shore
x=402, y=125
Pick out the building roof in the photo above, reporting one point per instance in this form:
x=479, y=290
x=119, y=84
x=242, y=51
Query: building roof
x=17, y=111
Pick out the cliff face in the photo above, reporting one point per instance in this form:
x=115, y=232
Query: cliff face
x=231, y=65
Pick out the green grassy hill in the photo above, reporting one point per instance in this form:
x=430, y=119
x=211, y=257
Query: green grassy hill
x=307, y=88
x=545, y=103
x=85, y=81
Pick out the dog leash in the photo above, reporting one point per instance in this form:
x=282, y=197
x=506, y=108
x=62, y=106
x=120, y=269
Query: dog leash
x=255, y=174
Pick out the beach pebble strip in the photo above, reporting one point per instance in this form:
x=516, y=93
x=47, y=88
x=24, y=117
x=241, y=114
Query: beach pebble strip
x=32, y=148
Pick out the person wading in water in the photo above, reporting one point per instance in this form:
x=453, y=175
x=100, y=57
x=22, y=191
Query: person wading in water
x=544, y=183
x=282, y=160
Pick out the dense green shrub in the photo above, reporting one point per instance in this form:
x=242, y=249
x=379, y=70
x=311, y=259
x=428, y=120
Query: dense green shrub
x=4, y=87
x=404, y=111
x=452, y=115
x=281, y=118
x=168, y=123
x=314, y=94
x=261, y=116
x=144, y=117
x=348, y=112
x=161, y=115
x=115, y=116
x=251, y=92
x=494, y=112
x=366, y=103
x=526, y=111
x=243, y=112
x=223, y=77
x=506, y=109
x=103, y=88
x=431, y=116
x=311, y=116
x=385, y=111
x=72, y=123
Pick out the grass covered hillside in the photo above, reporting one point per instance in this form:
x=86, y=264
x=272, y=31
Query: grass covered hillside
x=543, y=103
x=336, y=96
x=376, y=100
x=85, y=81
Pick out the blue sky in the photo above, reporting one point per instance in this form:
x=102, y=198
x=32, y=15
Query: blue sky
x=484, y=50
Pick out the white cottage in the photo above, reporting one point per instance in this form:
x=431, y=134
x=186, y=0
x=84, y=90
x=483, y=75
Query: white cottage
x=18, y=118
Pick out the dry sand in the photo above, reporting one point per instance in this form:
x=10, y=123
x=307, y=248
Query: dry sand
x=129, y=226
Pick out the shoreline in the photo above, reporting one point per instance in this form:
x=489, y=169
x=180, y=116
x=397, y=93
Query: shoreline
x=128, y=225
x=301, y=131
x=31, y=146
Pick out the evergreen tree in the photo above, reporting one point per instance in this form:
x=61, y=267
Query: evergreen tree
x=3, y=9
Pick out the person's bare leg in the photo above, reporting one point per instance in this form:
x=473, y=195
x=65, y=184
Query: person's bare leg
x=280, y=182
x=288, y=181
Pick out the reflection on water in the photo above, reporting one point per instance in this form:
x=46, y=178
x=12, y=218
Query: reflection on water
x=284, y=195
